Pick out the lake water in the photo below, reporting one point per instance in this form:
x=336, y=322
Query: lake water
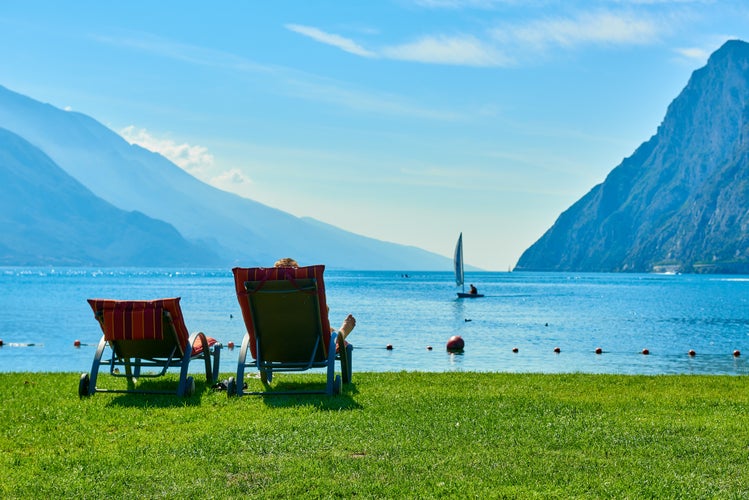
x=533, y=312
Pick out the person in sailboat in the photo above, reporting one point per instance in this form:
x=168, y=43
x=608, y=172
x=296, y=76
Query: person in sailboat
x=348, y=323
x=473, y=290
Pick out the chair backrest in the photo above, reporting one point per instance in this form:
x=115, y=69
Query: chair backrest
x=285, y=309
x=142, y=328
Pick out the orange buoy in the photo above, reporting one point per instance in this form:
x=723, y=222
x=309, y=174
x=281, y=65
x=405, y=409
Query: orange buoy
x=692, y=352
x=557, y=350
x=646, y=352
x=77, y=343
x=514, y=349
x=429, y=348
x=599, y=350
x=736, y=353
x=389, y=347
x=230, y=345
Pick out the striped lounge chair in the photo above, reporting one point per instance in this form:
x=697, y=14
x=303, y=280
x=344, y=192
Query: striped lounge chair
x=146, y=338
x=286, y=316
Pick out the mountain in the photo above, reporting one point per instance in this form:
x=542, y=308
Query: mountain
x=239, y=230
x=47, y=217
x=681, y=201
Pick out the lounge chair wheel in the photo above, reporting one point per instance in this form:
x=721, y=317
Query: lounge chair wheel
x=190, y=389
x=231, y=387
x=83, y=386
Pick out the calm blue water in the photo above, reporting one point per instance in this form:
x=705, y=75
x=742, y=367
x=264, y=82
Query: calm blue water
x=535, y=312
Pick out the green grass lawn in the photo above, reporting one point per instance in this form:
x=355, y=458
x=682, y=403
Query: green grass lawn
x=390, y=435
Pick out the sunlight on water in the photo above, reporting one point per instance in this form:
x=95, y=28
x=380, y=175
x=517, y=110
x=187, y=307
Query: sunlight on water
x=45, y=311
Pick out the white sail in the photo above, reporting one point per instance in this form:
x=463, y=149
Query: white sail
x=458, y=261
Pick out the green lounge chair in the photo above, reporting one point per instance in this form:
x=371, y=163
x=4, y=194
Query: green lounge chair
x=148, y=334
x=286, y=317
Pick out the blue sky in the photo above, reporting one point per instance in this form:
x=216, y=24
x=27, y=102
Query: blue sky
x=404, y=120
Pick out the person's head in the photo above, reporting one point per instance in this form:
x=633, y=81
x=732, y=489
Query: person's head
x=286, y=262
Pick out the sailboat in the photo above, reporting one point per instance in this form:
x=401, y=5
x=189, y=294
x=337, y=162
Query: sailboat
x=459, y=275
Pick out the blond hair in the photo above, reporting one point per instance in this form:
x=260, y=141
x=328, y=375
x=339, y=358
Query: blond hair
x=286, y=262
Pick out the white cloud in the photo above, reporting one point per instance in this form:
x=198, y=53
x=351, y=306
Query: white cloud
x=233, y=180
x=602, y=27
x=194, y=159
x=456, y=50
x=342, y=43
x=701, y=53
x=694, y=53
x=233, y=176
x=464, y=50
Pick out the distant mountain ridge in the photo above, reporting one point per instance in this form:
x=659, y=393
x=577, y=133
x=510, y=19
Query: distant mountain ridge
x=60, y=222
x=680, y=203
x=235, y=230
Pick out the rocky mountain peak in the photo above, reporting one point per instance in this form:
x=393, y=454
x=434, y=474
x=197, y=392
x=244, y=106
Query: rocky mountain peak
x=681, y=201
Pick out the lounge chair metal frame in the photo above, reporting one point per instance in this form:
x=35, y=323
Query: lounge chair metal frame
x=136, y=355
x=284, y=343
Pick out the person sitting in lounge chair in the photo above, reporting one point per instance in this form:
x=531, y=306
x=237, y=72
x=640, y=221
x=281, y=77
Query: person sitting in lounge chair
x=348, y=324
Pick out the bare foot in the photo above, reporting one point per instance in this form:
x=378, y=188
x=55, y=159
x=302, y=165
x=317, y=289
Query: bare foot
x=348, y=324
